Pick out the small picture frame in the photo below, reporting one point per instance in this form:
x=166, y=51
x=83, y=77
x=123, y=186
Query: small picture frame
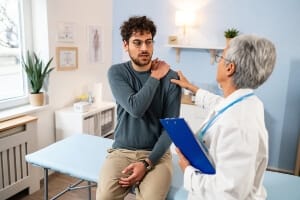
x=66, y=58
x=95, y=39
x=65, y=32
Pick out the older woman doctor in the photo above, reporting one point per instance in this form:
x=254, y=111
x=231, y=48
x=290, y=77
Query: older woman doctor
x=235, y=131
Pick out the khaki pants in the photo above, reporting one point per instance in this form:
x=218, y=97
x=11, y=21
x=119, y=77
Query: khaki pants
x=154, y=186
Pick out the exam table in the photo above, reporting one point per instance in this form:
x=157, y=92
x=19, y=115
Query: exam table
x=81, y=156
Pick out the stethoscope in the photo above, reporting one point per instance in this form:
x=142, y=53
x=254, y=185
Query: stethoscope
x=210, y=122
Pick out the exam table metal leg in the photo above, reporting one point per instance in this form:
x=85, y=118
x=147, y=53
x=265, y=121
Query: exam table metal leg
x=45, y=184
x=69, y=188
x=90, y=190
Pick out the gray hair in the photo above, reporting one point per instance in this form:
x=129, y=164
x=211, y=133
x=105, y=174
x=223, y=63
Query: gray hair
x=254, y=58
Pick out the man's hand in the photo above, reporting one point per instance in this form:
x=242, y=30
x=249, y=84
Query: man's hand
x=183, y=162
x=137, y=172
x=159, y=69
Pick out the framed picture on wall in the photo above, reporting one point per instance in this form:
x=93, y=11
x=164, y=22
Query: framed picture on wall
x=65, y=32
x=66, y=58
x=95, y=39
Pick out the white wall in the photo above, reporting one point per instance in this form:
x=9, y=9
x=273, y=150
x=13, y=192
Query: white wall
x=65, y=86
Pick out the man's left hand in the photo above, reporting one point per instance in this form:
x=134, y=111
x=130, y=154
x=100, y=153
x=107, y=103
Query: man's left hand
x=159, y=69
x=137, y=172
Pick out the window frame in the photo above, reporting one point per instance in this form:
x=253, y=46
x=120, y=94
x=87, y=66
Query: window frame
x=25, y=43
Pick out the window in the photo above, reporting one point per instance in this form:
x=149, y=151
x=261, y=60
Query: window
x=13, y=87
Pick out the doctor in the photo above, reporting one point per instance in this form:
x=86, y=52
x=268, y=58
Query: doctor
x=235, y=131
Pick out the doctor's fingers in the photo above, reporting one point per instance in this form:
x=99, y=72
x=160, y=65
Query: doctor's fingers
x=182, y=82
x=182, y=77
x=182, y=158
x=178, y=151
x=177, y=82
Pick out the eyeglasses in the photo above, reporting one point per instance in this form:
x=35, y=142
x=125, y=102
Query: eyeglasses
x=139, y=43
x=218, y=58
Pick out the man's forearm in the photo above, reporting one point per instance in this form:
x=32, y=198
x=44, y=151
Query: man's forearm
x=160, y=148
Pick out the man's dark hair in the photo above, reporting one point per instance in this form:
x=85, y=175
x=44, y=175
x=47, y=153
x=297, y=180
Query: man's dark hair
x=140, y=24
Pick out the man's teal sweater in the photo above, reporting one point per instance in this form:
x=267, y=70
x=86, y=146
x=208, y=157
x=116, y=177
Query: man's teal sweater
x=141, y=102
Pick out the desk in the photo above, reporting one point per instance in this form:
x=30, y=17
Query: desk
x=82, y=155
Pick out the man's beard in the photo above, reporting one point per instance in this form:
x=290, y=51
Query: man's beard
x=142, y=59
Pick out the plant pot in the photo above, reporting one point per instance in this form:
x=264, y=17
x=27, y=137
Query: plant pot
x=36, y=99
x=228, y=41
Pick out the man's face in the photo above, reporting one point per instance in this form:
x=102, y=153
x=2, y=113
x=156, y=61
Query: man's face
x=140, y=48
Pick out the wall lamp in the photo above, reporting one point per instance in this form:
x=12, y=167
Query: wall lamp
x=185, y=19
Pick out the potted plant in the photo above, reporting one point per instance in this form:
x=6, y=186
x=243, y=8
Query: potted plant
x=36, y=72
x=230, y=33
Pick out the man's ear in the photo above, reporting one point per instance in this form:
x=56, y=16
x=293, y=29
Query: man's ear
x=125, y=45
x=230, y=69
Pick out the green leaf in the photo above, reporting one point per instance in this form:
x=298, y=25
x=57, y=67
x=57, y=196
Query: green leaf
x=36, y=71
x=231, y=33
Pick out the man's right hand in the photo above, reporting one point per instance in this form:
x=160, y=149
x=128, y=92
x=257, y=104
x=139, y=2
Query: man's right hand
x=159, y=69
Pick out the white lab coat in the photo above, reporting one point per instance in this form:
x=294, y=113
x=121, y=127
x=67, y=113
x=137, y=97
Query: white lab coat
x=238, y=144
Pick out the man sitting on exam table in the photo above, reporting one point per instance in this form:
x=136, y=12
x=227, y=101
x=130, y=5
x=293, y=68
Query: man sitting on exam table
x=140, y=155
x=235, y=131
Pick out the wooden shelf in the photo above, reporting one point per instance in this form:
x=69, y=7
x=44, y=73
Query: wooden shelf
x=212, y=50
x=183, y=46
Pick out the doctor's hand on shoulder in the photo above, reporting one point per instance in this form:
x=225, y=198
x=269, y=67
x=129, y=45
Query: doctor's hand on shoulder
x=184, y=83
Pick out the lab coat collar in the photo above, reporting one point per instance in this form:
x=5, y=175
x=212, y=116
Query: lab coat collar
x=235, y=95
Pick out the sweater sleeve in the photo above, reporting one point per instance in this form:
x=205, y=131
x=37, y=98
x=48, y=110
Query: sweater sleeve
x=131, y=100
x=171, y=109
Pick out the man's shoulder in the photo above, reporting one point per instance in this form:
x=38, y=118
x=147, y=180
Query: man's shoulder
x=119, y=67
x=166, y=81
x=172, y=74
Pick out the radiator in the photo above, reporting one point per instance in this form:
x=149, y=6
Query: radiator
x=17, y=138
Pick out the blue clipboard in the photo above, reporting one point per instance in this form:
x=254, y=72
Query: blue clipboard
x=193, y=149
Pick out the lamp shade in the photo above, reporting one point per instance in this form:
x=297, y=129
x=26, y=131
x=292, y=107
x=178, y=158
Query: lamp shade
x=185, y=18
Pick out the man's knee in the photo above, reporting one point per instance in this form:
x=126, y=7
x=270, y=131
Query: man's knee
x=151, y=195
x=111, y=193
x=104, y=196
